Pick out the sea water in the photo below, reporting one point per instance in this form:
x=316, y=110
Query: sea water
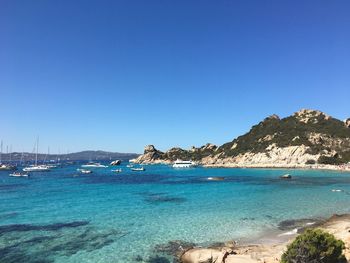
x=62, y=216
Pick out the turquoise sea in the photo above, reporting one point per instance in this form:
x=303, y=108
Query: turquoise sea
x=107, y=217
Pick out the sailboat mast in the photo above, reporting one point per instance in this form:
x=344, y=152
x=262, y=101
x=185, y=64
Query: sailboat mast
x=1, y=153
x=21, y=161
x=36, y=155
x=10, y=153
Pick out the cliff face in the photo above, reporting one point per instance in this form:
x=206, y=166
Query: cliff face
x=306, y=137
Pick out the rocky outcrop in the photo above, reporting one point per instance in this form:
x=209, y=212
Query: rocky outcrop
x=310, y=116
x=150, y=155
x=295, y=141
x=347, y=123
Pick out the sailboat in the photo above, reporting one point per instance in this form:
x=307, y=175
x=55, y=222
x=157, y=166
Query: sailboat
x=36, y=167
x=3, y=166
x=51, y=165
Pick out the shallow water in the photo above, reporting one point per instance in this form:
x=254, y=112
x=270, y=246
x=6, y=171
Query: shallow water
x=107, y=217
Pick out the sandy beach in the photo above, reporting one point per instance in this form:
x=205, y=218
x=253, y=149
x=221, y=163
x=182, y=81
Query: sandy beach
x=267, y=250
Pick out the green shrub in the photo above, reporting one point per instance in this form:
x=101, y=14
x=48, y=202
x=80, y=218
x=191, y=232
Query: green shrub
x=314, y=246
x=310, y=161
x=329, y=160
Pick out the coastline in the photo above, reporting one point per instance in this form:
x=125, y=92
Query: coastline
x=268, y=248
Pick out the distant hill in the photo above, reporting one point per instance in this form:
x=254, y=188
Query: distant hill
x=304, y=138
x=84, y=155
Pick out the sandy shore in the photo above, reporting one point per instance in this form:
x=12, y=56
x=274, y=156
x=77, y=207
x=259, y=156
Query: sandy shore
x=267, y=252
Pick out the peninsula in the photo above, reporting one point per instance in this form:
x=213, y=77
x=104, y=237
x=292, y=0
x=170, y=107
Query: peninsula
x=306, y=139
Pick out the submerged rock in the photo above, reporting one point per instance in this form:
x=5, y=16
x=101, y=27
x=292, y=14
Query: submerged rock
x=174, y=248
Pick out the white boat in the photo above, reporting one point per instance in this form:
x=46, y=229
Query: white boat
x=286, y=176
x=36, y=167
x=84, y=171
x=129, y=166
x=19, y=174
x=138, y=169
x=94, y=165
x=183, y=164
x=117, y=170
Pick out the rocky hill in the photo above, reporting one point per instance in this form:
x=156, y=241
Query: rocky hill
x=305, y=138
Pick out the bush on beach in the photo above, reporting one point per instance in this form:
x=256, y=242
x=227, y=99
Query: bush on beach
x=314, y=246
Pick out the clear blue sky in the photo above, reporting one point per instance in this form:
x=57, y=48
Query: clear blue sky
x=117, y=75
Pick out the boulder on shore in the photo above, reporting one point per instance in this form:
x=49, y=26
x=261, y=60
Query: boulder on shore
x=205, y=255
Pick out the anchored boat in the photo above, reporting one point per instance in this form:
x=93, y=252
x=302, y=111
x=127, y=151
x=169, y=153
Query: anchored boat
x=94, y=165
x=183, y=164
x=19, y=174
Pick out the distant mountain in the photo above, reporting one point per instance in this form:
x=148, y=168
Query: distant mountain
x=84, y=155
x=305, y=138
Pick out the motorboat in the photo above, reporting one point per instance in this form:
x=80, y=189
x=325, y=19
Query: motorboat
x=94, y=165
x=183, y=164
x=138, y=169
x=19, y=174
x=286, y=176
x=117, y=170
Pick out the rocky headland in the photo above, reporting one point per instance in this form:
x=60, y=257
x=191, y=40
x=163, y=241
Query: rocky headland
x=306, y=139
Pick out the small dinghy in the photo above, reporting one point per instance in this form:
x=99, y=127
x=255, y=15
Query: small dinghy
x=84, y=171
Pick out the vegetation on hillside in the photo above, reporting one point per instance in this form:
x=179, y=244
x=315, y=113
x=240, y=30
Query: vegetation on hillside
x=314, y=246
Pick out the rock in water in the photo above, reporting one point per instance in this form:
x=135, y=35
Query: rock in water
x=116, y=162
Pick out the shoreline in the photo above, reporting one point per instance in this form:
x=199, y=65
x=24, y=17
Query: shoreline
x=270, y=247
x=327, y=167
